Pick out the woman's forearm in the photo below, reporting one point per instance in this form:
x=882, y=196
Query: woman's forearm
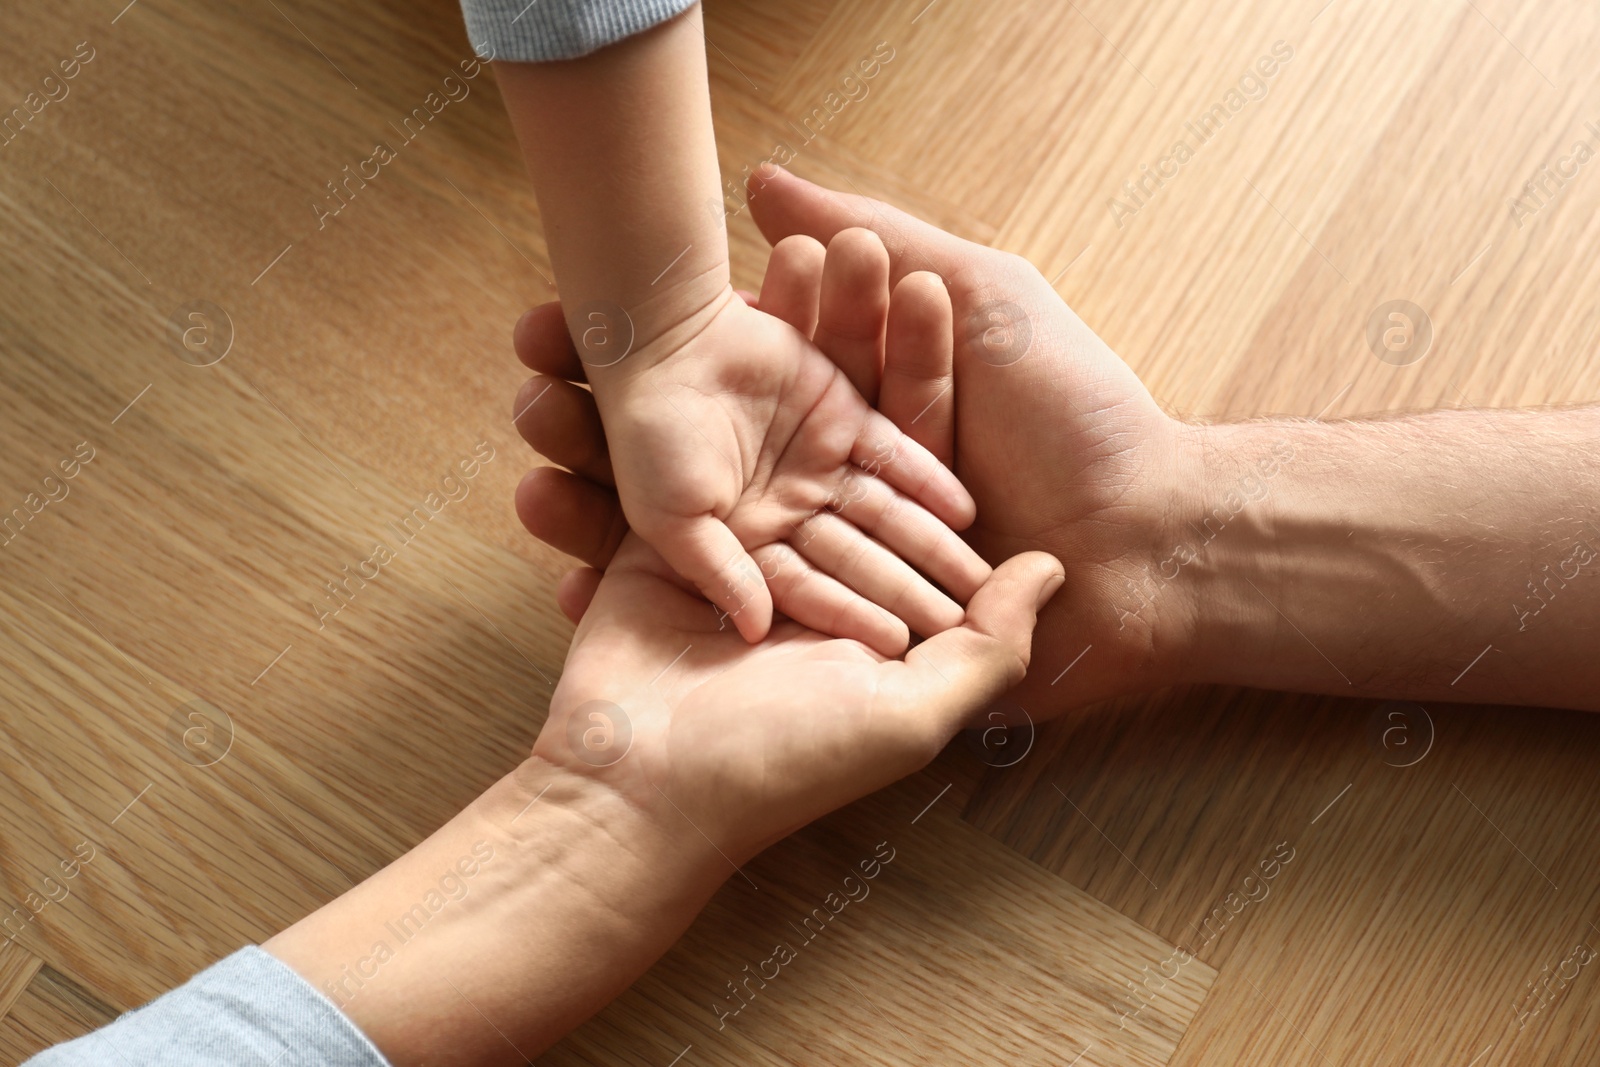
x=508, y=926
x=1453, y=555
x=620, y=148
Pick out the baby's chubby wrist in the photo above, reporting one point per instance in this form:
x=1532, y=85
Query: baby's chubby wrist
x=616, y=340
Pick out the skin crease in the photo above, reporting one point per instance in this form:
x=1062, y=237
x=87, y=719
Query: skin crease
x=1188, y=548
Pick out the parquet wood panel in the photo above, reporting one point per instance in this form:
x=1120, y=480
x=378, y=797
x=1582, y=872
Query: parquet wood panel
x=370, y=352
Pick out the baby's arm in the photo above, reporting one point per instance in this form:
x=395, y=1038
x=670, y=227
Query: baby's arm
x=619, y=145
x=740, y=453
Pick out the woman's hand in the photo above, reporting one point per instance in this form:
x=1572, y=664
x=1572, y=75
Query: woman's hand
x=674, y=751
x=673, y=710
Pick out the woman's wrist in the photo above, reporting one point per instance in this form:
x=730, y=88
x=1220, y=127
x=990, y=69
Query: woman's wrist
x=588, y=886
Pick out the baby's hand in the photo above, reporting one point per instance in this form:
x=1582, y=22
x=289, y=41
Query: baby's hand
x=763, y=477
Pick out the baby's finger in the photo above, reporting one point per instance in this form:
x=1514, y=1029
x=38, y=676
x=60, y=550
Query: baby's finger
x=543, y=343
x=793, y=285
x=837, y=548
x=571, y=515
x=919, y=349
x=706, y=553
x=822, y=603
x=913, y=533
x=854, y=308
x=884, y=452
x=560, y=421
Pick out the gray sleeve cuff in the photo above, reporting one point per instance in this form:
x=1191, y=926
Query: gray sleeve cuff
x=249, y=1009
x=543, y=30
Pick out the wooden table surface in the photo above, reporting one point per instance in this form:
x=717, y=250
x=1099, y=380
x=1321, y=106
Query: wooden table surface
x=211, y=751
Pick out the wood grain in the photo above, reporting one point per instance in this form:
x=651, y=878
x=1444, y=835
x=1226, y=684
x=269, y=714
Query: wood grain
x=17, y=968
x=52, y=1009
x=953, y=944
x=180, y=702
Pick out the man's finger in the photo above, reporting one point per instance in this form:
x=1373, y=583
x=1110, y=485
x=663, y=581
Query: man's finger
x=854, y=308
x=560, y=421
x=784, y=204
x=571, y=514
x=918, y=366
x=544, y=345
x=792, y=287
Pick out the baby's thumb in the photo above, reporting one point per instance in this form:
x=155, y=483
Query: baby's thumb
x=706, y=553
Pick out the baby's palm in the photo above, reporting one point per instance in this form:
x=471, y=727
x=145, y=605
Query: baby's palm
x=759, y=473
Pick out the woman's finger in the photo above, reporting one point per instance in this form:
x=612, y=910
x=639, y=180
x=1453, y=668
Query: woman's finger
x=543, y=343
x=919, y=353
x=948, y=677
x=571, y=514
x=561, y=423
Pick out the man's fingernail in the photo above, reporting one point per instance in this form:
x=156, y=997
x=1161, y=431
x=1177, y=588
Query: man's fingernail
x=1049, y=590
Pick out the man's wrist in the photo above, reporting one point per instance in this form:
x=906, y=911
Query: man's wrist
x=1444, y=555
x=1227, y=541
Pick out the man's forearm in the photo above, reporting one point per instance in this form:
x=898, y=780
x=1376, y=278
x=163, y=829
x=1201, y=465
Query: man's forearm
x=507, y=927
x=620, y=147
x=1453, y=555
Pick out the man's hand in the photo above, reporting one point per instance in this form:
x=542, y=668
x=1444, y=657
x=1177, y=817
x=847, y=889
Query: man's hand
x=1060, y=444
x=1447, y=555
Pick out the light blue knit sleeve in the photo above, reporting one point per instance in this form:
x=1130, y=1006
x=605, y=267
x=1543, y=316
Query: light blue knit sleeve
x=248, y=1010
x=536, y=31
